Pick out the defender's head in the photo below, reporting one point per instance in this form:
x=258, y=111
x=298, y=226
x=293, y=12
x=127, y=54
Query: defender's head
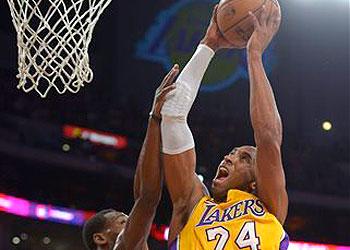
x=102, y=230
x=236, y=171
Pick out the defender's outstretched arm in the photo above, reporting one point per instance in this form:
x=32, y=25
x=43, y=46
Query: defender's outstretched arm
x=266, y=120
x=148, y=178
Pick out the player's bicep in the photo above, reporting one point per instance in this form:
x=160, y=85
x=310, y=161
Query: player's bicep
x=181, y=179
x=270, y=177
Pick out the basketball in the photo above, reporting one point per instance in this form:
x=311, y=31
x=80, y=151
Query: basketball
x=234, y=20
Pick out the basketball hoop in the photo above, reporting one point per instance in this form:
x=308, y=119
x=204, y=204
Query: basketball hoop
x=53, y=38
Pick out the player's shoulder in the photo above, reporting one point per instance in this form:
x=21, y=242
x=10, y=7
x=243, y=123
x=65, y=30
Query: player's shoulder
x=197, y=209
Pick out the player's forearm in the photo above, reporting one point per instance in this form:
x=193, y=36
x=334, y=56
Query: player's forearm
x=265, y=118
x=148, y=173
x=138, y=226
x=188, y=83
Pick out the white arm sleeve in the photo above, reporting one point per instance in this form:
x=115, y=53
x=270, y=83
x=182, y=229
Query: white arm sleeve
x=176, y=135
x=188, y=82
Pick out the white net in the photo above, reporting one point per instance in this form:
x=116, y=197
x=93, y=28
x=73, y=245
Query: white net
x=53, y=38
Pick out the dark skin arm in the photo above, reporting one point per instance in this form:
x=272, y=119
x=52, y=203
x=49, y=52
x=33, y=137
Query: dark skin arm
x=266, y=120
x=184, y=187
x=182, y=182
x=148, y=177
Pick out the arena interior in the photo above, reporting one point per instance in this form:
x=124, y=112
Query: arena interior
x=52, y=178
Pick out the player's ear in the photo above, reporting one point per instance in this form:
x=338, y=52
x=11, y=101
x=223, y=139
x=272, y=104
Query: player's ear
x=252, y=186
x=100, y=239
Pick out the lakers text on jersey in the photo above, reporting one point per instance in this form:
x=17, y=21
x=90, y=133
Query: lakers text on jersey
x=240, y=223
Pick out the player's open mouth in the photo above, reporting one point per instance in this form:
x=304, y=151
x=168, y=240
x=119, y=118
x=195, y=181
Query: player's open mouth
x=222, y=174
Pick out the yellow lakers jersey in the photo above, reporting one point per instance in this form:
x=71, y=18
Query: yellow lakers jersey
x=240, y=223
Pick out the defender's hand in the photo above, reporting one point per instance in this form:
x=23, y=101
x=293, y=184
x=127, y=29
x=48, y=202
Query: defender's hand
x=165, y=87
x=265, y=28
x=213, y=38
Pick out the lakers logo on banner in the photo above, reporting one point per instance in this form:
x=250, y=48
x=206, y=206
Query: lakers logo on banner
x=175, y=35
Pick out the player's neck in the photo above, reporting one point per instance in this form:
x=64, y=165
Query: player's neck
x=219, y=199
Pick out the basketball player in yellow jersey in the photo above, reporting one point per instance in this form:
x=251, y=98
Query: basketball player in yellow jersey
x=249, y=201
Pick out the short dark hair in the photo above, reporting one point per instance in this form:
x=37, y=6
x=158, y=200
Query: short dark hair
x=95, y=224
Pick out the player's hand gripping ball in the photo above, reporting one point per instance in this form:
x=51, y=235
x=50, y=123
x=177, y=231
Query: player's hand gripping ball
x=234, y=21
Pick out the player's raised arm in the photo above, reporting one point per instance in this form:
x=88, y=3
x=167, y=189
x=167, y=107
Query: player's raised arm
x=148, y=177
x=178, y=144
x=177, y=141
x=265, y=119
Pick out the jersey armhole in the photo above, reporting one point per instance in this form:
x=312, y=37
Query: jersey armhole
x=175, y=245
x=284, y=241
